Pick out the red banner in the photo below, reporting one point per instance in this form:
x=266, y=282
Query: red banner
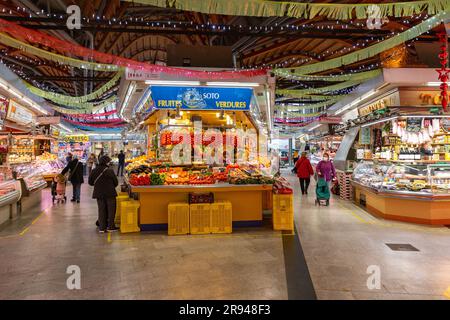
x=70, y=49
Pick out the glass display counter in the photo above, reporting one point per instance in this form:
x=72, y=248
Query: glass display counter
x=31, y=175
x=10, y=193
x=417, y=193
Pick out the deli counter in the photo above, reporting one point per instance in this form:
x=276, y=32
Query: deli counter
x=418, y=193
x=10, y=194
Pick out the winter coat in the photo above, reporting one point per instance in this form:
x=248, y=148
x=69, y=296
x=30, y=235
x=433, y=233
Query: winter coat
x=121, y=157
x=105, y=187
x=325, y=169
x=75, y=169
x=304, y=168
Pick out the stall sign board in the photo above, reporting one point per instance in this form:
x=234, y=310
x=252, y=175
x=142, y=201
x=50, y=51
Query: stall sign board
x=3, y=109
x=388, y=101
x=413, y=124
x=446, y=124
x=331, y=120
x=48, y=120
x=18, y=113
x=76, y=138
x=141, y=75
x=364, y=135
x=202, y=98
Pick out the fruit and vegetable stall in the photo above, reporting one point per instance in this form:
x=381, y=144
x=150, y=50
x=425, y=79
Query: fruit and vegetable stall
x=157, y=184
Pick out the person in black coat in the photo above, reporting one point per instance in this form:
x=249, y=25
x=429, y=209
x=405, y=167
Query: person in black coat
x=75, y=169
x=105, y=182
x=121, y=158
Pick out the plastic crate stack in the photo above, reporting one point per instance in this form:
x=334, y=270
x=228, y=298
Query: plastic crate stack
x=345, y=187
x=200, y=218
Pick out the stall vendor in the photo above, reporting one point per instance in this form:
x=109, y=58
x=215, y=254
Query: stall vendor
x=425, y=150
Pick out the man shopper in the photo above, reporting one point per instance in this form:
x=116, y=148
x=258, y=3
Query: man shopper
x=304, y=172
x=121, y=157
x=75, y=169
x=105, y=182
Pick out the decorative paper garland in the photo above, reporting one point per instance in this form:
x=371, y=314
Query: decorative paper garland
x=96, y=125
x=68, y=100
x=68, y=48
x=360, y=76
x=307, y=107
x=334, y=11
x=318, y=97
x=95, y=129
x=93, y=116
x=371, y=51
x=91, y=108
x=7, y=40
x=88, y=106
x=303, y=92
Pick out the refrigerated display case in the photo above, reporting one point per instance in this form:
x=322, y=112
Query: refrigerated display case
x=32, y=183
x=10, y=193
x=417, y=193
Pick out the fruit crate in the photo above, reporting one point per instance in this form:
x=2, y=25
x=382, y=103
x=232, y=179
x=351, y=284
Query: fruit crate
x=200, y=218
x=283, y=212
x=119, y=199
x=345, y=187
x=178, y=218
x=221, y=217
x=129, y=216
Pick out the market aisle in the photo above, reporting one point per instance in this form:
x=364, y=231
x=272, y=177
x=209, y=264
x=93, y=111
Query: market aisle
x=243, y=265
x=341, y=241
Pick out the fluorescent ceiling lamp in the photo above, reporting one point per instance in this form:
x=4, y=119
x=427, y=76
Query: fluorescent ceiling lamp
x=168, y=82
x=233, y=84
x=64, y=127
x=315, y=127
x=127, y=97
x=24, y=99
x=356, y=101
x=378, y=121
x=433, y=84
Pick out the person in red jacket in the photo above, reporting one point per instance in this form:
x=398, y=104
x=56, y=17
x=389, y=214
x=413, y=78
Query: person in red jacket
x=304, y=172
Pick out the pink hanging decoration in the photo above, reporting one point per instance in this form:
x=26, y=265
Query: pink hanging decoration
x=70, y=49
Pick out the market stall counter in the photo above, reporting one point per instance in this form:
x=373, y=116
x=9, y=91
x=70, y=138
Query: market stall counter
x=404, y=192
x=10, y=194
x=248, y=202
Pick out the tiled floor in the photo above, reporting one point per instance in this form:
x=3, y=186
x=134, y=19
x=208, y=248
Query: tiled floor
x=339, y=243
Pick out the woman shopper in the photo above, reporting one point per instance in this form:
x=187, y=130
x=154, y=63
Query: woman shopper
x=304, y=172
x=325, y=169
x=75, y=169
x=105, y=182
x=91, y=161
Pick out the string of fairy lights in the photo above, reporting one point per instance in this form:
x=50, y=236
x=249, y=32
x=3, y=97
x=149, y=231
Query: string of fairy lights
x=209, y=26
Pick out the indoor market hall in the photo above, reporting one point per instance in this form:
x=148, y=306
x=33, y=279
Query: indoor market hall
x=219, y=159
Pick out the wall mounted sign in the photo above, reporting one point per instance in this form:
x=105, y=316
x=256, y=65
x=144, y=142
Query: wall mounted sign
x=414, y=124
x=3, y=109
x=365, y=135
x=140, y=75
x=202, y=98
x=331, y=120
x=388, y=101
x=445, y=123
x=76, y=138
x=48, y=120
x=18, y=113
